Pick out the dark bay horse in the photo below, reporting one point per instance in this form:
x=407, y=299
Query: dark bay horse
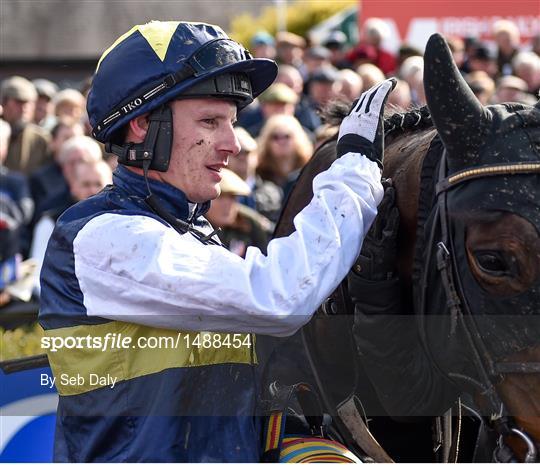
x=467, y=182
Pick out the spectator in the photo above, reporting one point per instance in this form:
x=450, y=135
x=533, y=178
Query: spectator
x=85, y=89
x=406, y=51
x=527, y=67
x=290, y=49
x=16, y=208
x=69, y=104
x=278, y=99
x=336, y=43
x=240, y=226
x=283, y=149
x=470, y=43
x=245, y=163
x=511, y=89
x=263, y=45
x=362, y=54
x=322, y=87
x=290, y=76
x=483, y=59
x=481, y=85
x=315, y=58
x=27, y=147
x=506, y=35
x=401, y=98
x=48, y=181
x=374, y=32
x=457, y=47
x=370, y=75
x=252, y=117
x=535, y=44
x=76, y=150
x=44, y=108
x=264, y=197
x=349, y=85
x=412, y=72
x=87, y=180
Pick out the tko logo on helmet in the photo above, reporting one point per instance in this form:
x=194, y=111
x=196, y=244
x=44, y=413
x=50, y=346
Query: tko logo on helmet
x=132, y=106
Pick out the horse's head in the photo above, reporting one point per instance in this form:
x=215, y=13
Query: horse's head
x=490, y=198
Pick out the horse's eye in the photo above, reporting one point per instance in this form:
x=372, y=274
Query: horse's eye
x=493, y=263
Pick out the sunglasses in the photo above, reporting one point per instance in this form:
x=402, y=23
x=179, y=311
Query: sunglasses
x=278, y=136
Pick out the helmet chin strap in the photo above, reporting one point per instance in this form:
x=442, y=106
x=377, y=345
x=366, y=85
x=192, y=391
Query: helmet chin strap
x=156, y=147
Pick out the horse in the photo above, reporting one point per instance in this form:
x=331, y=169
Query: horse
x=468, y=193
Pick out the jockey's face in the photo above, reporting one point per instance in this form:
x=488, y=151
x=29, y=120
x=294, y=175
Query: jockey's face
x=203, y=141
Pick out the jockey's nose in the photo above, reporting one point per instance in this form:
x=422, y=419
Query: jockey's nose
x=229, y=141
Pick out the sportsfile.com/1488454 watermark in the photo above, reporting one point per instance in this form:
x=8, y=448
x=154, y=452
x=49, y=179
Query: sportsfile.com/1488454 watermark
x=112, y=341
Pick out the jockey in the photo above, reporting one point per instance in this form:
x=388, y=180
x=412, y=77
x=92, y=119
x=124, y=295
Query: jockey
x=148, y=319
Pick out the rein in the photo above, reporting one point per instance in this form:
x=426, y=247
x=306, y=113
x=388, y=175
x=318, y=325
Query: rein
x=490, y=372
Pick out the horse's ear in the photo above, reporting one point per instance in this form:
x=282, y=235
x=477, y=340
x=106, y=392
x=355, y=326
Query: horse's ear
x=459, y=117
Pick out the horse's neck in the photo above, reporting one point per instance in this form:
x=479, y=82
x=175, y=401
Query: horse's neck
x=403, y=161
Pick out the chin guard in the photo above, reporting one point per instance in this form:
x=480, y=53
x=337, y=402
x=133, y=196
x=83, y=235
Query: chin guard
x=156, y=147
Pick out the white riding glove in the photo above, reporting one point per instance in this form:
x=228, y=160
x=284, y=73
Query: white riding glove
x=362, y=130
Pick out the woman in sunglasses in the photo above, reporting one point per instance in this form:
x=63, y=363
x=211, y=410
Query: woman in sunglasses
x=284, y=149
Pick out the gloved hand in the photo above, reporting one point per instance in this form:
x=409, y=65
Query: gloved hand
x=377, y=260
x=362, y=130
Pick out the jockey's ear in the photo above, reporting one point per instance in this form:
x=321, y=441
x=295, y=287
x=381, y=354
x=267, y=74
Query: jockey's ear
x=137, y=129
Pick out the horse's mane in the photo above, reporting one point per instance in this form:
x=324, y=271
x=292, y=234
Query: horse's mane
x=395, y=122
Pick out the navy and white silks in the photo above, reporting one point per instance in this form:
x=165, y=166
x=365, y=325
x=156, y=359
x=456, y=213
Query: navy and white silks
x=113, y=266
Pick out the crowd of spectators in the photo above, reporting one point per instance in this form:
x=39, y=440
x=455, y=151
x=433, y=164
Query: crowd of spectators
x=49, y=161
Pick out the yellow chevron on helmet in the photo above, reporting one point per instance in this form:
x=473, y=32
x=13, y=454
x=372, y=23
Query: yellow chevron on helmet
x=157, y=33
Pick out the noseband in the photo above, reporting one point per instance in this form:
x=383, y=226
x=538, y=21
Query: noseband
x=490, y=372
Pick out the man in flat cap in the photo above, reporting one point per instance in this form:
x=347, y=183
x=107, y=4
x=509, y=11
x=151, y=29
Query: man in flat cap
x=290, y=48
x=27, y=149
x=44, y=110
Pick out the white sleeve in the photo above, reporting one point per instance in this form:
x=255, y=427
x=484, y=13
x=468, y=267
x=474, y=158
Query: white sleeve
x=42, y=233
x=135, y=269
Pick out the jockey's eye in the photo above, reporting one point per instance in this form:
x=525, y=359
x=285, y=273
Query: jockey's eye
x=494, y=263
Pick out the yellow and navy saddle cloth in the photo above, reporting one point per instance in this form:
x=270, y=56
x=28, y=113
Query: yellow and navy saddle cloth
x=295, y=448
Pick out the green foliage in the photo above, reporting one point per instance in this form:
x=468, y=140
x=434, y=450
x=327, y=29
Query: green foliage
x=21, y=342
x=302, y=15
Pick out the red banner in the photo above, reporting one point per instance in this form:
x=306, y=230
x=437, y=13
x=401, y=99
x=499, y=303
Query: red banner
x=413, y=21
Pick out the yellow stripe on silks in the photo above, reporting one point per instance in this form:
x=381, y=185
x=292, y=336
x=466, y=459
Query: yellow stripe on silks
x=158, y=34
x=133, y=362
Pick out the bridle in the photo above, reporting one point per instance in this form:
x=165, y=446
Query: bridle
x=489, y=371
